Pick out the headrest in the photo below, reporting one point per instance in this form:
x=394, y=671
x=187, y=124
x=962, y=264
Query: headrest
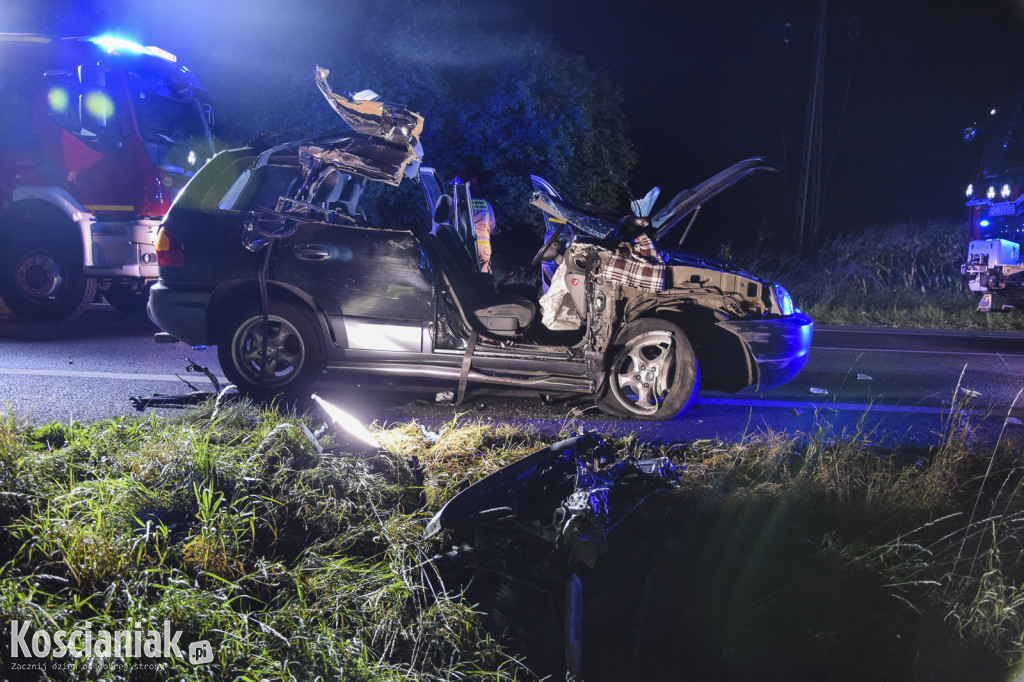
x=444, y=209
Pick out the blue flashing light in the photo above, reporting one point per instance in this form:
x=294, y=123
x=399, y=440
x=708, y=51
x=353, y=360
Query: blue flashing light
x=984, y=223
x=114, y=45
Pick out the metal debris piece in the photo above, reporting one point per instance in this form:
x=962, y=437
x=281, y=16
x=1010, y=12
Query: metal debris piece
x=193, y=397
x=193, y=367
x=349, y=426
x=819, y=391
x=864, y=377
x=312, y=439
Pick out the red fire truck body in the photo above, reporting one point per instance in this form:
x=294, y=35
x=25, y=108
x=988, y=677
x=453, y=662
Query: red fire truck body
x=97, y=135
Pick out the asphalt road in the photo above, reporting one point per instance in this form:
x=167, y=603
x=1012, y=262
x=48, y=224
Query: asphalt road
x=900, y=383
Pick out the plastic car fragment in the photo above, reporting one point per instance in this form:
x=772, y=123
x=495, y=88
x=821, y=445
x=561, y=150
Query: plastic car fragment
x=540, y=525
x=571, y=490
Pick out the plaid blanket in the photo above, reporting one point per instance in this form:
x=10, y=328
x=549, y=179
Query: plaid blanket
x=637, y=265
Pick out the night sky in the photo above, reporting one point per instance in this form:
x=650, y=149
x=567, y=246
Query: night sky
x=705, y=84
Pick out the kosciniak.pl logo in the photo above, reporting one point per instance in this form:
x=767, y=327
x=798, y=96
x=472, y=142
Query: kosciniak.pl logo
x=85, y=642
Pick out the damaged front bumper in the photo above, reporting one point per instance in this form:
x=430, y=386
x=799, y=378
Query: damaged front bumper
x=778, y=348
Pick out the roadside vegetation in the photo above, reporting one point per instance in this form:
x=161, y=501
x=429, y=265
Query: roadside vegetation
x=787, y=556
x=896, y=275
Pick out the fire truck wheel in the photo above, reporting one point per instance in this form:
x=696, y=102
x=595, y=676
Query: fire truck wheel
x=653, y=372
x=43, y=282
x=296, y=356
x=129, y=297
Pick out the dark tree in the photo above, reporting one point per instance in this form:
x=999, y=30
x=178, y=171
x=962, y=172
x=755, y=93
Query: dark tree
x=497, y=106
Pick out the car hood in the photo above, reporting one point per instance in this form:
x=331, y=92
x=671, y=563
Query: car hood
x=682, y=204
x=688, y=200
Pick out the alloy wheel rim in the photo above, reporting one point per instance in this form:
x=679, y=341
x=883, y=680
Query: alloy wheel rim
x=643, y=372
x=286, y=351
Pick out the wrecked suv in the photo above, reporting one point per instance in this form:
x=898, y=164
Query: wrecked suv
x=292, y=261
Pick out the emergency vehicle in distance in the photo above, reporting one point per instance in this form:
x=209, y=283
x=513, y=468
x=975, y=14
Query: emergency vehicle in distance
x=97, y=136
x=995, y=199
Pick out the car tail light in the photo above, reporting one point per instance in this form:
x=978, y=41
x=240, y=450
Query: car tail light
x=169, y=252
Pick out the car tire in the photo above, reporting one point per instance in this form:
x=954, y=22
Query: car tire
x=295, y=351
x=653, y=373
x=128, y=297
x=41, y=279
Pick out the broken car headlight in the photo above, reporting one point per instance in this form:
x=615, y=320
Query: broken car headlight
x=784, y=302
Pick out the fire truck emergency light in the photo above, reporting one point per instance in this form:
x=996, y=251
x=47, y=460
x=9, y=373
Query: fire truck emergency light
x=113, y=45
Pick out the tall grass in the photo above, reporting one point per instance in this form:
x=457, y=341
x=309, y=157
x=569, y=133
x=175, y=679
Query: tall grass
x=294, y=565
x=941, y=527
x=900, y=274
x=301, y=565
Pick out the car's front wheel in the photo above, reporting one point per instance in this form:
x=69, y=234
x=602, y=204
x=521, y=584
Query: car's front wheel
x=294, y=347
x=653, y=372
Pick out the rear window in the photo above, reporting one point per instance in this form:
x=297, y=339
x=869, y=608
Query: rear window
x=260, y=188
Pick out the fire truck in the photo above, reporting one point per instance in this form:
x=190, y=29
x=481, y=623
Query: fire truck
x=996, y=202
x=97, y=136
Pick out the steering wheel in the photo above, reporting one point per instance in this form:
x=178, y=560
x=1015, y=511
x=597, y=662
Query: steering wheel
x=551, y=240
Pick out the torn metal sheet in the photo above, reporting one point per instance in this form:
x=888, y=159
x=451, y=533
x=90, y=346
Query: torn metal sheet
x=374, y=160
x=392, y=142
x=399, y=126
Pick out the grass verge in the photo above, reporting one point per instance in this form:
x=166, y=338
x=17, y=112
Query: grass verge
x=300, y=565
x=903, y=274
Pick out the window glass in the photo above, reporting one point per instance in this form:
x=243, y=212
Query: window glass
x=171, y=123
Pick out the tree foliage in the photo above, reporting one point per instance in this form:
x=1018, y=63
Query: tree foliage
x=497, y=107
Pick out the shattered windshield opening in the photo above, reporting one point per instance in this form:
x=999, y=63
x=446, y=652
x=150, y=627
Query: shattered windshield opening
x=1005, y=150
x=590, y=224
x=172, y=125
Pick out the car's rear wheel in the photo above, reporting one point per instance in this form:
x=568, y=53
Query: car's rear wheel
x=295, y=353
x=653, y=372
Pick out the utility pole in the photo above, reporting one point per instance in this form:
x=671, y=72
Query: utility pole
x=808, y=201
